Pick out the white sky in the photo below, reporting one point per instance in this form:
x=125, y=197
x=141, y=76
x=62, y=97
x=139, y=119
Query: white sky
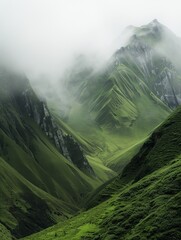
x=43, y=35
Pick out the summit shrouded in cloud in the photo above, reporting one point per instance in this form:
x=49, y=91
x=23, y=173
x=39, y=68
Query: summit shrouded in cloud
x=85, y=89
x=44, y=36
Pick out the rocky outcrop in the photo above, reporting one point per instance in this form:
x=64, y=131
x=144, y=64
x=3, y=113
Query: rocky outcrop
x=15, y=90
x=164, y=84
x=39, y=112
x=77, y=156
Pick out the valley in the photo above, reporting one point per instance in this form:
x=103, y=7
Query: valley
x=106, y=163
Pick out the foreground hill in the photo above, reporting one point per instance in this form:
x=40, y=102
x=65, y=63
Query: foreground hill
x=146, y=201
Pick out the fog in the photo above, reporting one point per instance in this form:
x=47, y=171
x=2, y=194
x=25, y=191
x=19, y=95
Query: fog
x=42, y=37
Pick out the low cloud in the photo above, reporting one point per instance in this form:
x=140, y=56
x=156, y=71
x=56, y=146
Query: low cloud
x=43, y=37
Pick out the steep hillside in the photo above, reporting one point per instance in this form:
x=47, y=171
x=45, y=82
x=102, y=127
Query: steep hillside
x=121, y=102
x=44, y=172
x=146, y=203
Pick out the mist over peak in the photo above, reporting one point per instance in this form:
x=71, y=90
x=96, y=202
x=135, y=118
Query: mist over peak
x=43, y=37
x=83, y=100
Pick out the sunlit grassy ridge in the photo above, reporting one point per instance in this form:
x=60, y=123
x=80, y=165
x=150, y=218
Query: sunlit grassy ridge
x=146, y=202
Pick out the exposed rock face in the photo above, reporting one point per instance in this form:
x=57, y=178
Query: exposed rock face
x=154, y=68
x=164, y=84
x=16, y=90
x=38, y=110
x=78, y=159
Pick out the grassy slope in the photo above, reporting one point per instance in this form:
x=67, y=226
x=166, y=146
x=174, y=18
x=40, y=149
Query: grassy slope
x=104, y=173
x=111, y=111
x=34, y=175
x=23, y=202
x=55, y=183
x=146, y=206
x=4, y=233
x=47, y=170
x=38, y=168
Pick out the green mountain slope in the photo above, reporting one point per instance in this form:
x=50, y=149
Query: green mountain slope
x=27, y=208
x=111, y=109
x=119, y=104
x=4, y=233
x=56, y=162
x=103, y=172
x=44, y=173
x=146, y=203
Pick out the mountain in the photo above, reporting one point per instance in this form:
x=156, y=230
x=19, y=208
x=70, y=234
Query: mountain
x=150, y=53
x=97, y=144
x=146, y=199
x=44, y=172
x=121, y=103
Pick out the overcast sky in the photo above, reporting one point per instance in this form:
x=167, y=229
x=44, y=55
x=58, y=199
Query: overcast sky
x=43, y=35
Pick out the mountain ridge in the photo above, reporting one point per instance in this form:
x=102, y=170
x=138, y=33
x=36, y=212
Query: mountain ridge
x=105, y=164
x=110, y=101
x=36, y=174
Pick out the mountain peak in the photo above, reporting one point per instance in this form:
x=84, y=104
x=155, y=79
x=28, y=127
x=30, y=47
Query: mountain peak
x=154, y=25
x=155, y=21
x=151, y=31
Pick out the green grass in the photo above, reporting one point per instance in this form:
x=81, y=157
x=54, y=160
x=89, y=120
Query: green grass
x=54, y=180
x=121, y=158
x=90, y=149
x=22, y=202
x=148, y=209
x=162, y=146
x=38, y=185
x=4, y=233
x=144, y=205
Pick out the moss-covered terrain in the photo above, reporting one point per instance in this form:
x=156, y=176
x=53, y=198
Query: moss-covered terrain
x=146, y=202
x=62, y=166
x=39, y=185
